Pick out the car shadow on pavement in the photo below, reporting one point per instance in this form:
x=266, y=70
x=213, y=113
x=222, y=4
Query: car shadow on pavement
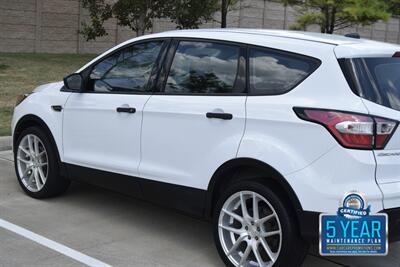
x=189, y=239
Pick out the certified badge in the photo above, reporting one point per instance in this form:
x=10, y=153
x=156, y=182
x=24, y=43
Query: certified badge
x=353, y=231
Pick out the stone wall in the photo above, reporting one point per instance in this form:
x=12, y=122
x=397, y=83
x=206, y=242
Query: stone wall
x=52, y=25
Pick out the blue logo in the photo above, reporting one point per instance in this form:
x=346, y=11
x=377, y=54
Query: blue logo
x=353, y=231
x=353, y=206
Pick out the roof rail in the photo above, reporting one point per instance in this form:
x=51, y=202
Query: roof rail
x=354, y=35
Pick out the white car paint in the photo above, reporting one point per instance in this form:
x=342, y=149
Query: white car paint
x=169, y=139
x=39, y=104
x=178, y=141
x=96, y=136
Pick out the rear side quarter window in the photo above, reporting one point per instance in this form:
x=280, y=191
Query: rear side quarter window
x=273, y=72
x=378, y=80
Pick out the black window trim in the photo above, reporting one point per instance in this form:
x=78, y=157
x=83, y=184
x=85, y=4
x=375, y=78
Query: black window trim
x=282, y=52
x=170, y=57
x=347, y=67
x=153, y=76
x=157, y=81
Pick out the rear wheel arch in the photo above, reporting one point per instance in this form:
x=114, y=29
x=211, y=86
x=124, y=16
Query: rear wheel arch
x=242, y=169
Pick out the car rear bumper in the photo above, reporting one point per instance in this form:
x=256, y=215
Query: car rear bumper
x=309, y=225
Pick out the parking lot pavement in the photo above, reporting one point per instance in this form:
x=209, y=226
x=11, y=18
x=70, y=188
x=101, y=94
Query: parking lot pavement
x=5, y=142
x=115, y=230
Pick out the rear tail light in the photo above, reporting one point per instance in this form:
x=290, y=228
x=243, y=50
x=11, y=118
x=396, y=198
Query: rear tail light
x=352, y=130
x=384, y=130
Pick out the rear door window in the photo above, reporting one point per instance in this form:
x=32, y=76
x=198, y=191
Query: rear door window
x=276, y=72
x=203, y=68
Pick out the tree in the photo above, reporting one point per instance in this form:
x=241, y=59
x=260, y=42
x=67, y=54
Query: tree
x=394, y=7
x=138, y=15
x=333, y=15
x=99, y=12
x=190, y=14
x=225, y=7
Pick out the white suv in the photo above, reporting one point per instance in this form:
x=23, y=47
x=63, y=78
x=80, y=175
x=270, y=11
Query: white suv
x=256, y=130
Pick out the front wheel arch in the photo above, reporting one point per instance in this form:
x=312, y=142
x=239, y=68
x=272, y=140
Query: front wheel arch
x=31, y=120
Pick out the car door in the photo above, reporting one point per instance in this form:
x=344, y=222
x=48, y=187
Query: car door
x=102, y=124
x=196, y=122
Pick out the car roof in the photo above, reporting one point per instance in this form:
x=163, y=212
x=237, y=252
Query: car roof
x=344, y=46
x=299, y=35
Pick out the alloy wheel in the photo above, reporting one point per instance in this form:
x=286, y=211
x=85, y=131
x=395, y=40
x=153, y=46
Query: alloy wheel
x=249, y=230
x=32, y=162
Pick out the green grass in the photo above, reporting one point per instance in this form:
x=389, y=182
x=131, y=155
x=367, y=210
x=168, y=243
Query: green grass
x=22, y=72
x=5, y=118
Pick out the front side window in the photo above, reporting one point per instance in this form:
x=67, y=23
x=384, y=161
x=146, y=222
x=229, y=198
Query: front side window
x=203, y=67
x=273, y=72
x=126, y=71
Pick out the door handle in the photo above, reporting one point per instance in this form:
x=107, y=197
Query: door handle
x=221, y=116
x=126, y=109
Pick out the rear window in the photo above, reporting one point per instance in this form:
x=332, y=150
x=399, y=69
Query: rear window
x=378, y=80
x=275, y=72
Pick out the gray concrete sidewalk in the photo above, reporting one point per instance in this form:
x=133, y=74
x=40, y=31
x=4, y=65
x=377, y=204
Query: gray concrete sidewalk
x=5, y=143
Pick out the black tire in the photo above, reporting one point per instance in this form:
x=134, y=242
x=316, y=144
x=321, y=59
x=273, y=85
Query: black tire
x=293, y=250
x=55, y=184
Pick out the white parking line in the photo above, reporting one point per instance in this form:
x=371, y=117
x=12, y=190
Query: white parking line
x=76, y=255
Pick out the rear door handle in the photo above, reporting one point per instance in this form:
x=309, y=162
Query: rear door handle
x=126, y=109
x=221, y=116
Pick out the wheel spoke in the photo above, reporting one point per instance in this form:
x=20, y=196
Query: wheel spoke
x=244, y=206
x=236, y=245
x=23, y=160
x=37, y=179
x=24, y=150
x=256, y=214
x=41, y=175
x=231, y=229
x=245, y=255
x=265, y=219
x=42, y=164
x=267, y=249
x=268, y=234
x=30, y=144
x=233, y=215
x=258, y=256
x=36, y=145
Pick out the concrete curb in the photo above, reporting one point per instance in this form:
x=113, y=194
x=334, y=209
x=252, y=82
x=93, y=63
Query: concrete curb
x=5, y=143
